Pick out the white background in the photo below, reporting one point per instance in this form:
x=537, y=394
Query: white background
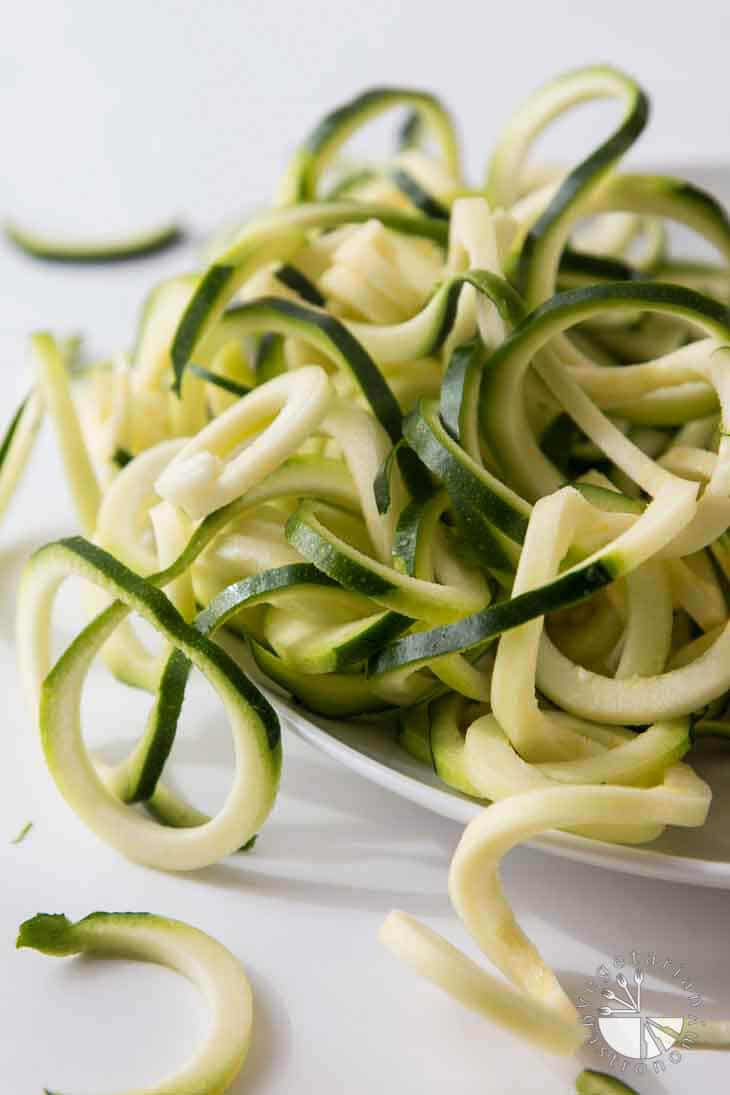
x=115, y=116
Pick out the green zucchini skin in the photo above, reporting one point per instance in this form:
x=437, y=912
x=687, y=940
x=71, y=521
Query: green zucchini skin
x=507, y=301
x=141, y=594
x=460, y=387
x=469, y=486
x=334, y=695
x=596, y=268
x=446, y=744
x=421, y=199
x=350, y=181
x=650, y=296
x=611, y=501
x=153, y=750
x=674, y=198
x=590, y=1082
x=413, y=733
x=357, y=572
x=223, y=382
x=339, y=631
x=294, y=279
x=362, y=647
x=299, y=476
x=538, y=256
x=564, y=310
x=121, y=457
x=474, y=630
x=302, y=175
x=274, y=315
x=110, y=251
x=263, y=587
x=211, y=289
x=381, y=482
x=492, y=523
x=415, y=476
x=269, y=360
x=10, y=432
x=325, y=654
x=705, y=727
x=325, y=557
x=410, y=132
x=155, y=747
x=416, y=525
x=579, y=182
x=219, y=282
x=255, y=589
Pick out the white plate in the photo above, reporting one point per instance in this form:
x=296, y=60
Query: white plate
x=698, y=856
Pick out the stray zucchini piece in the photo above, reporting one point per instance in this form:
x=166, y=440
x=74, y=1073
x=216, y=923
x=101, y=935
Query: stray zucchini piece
x=600, y=1083
x=54, y=249
x=182, y=948
x=22, y=834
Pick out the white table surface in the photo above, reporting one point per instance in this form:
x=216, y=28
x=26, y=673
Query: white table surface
x=116, y=116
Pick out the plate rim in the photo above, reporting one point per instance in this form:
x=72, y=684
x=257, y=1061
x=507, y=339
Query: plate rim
x=636, y=860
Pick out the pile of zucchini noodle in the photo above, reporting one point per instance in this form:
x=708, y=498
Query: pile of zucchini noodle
x=453, y=458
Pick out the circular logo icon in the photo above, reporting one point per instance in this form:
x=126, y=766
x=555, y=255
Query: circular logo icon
x=641, y=1037
x=626, y=1026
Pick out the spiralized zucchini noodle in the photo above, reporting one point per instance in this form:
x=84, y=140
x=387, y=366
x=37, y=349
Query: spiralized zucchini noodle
x=450, y=457
x=205, y=962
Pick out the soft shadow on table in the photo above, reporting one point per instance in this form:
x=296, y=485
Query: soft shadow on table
x=616, y=912
x=367, y=820
x=326, y=894
x=370, y=825
x=367, y=815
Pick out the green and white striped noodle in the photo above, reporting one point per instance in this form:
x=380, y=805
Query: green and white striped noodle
x=253, y=723
x=206, y=963
x=17, y=445
x=319, y=148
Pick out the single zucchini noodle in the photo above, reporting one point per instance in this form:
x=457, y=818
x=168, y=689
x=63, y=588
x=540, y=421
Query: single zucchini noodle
x=205, y=962
x=449, y=457
x=52, y=249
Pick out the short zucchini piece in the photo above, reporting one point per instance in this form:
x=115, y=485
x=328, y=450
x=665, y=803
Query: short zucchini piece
x=213, y=970
x=591, y=1082
x=53, y=249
